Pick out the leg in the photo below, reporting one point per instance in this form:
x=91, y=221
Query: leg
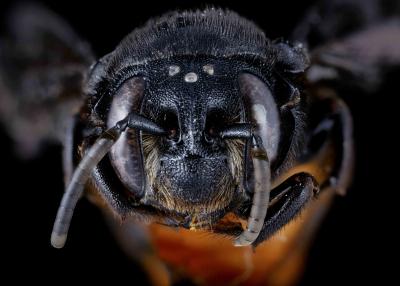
x=290, y=197
x=287, y=200
x=345, y=170
x=332, y=136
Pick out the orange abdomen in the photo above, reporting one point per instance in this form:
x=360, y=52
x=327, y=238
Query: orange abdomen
x=211, y=259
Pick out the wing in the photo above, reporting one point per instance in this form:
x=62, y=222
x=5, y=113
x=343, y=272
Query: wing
x=42, y=67
x=353, y=44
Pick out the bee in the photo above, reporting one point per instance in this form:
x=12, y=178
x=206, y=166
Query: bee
x=212, y=149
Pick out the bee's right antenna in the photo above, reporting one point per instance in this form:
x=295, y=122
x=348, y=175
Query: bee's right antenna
x=82, y=173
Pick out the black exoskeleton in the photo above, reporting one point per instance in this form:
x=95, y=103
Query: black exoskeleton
x=200, y=115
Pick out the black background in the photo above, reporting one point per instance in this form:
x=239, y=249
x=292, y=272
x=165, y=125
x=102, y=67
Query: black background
x=352, y=245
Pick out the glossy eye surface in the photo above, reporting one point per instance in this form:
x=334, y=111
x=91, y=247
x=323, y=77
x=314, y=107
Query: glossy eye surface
x=125, y=154
x=264, y=111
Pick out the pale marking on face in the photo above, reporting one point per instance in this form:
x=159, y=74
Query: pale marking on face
x=191, y=77
x=173, y=70
x=208, y=69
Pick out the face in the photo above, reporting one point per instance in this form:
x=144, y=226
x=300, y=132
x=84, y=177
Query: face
x=192, y=170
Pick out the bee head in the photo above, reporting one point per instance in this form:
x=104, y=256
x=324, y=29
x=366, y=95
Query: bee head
x=224, y=73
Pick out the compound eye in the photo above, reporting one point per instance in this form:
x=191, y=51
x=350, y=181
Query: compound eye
x=170, y=122
x=125, y=154
x=264, y=111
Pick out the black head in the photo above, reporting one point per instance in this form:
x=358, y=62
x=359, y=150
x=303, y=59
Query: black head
x=195, y=74
x=192, y=167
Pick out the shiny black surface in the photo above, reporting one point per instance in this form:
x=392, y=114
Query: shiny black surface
x=351, y=246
